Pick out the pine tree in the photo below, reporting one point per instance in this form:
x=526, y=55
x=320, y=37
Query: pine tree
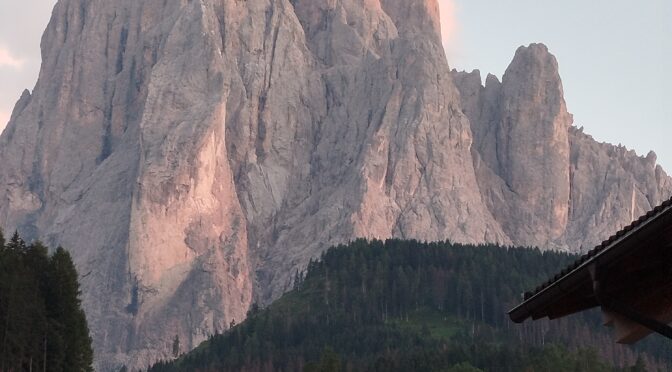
x=16, y=297
x=16, y=244
x=36, y=261
x=176, y=346
x=65, y=310
x=42, y=326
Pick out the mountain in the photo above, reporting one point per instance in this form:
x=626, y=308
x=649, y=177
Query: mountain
x=192, y=155
x=546, y=182
x=410, y=306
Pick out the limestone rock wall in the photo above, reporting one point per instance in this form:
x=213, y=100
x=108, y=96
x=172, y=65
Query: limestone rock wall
x=192, y=155
x=546, y=182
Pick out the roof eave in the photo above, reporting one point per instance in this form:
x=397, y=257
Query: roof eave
x=525, y=310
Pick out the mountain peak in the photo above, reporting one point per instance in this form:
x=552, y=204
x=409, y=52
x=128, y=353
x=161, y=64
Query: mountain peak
x=533, y=79
x=535, y=53
x=539, y=48
x=534, y=64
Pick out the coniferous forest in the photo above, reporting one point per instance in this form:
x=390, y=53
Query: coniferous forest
x=43, y=327
x=410, y=306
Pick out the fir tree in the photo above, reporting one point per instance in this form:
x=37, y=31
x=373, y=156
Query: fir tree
x=42, y=326
x=176, y=346
x=68, y=318
x=16, y=244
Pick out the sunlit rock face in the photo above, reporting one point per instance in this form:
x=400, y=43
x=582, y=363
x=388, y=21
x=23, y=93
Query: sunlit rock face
x=192, y=155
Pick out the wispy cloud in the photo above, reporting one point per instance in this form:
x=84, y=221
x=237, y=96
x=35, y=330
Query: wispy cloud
x=448, y=20
x=450, y=28
x=9, y=60
x=4, y=119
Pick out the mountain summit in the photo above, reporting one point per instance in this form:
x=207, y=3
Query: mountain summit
x=193, y=155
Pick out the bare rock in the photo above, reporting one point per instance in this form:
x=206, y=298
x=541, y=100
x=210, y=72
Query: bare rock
x=611, y=186
x=548, y=184
x=193, y=155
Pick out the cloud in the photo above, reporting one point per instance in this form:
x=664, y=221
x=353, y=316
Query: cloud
x=448, y=21
x=8, y=60
x=450, y=29
x=4, y=119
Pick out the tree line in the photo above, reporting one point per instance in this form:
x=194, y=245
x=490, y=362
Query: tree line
x=42, y=324
x=406, y=305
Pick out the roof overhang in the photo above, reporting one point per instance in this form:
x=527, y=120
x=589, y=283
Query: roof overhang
x=633, y=268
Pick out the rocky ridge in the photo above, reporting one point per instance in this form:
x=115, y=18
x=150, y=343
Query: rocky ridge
x=547, y=183
x=193, y=154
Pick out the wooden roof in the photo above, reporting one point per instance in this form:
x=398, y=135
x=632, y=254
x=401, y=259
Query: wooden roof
x=634, y=267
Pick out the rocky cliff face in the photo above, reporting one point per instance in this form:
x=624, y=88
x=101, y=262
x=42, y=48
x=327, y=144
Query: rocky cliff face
x=193, y=154
x=546, y=182
x=521, y=146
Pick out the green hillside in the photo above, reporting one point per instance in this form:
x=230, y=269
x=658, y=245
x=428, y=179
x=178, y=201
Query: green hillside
x=410, y=306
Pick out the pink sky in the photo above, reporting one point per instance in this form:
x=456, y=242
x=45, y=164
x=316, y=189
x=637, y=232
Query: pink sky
x=21, y=26
x=4, y=118
x=448, y=20
x=8, y=60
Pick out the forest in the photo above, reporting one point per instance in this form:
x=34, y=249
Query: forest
x=43, y=325
x=412, y=306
